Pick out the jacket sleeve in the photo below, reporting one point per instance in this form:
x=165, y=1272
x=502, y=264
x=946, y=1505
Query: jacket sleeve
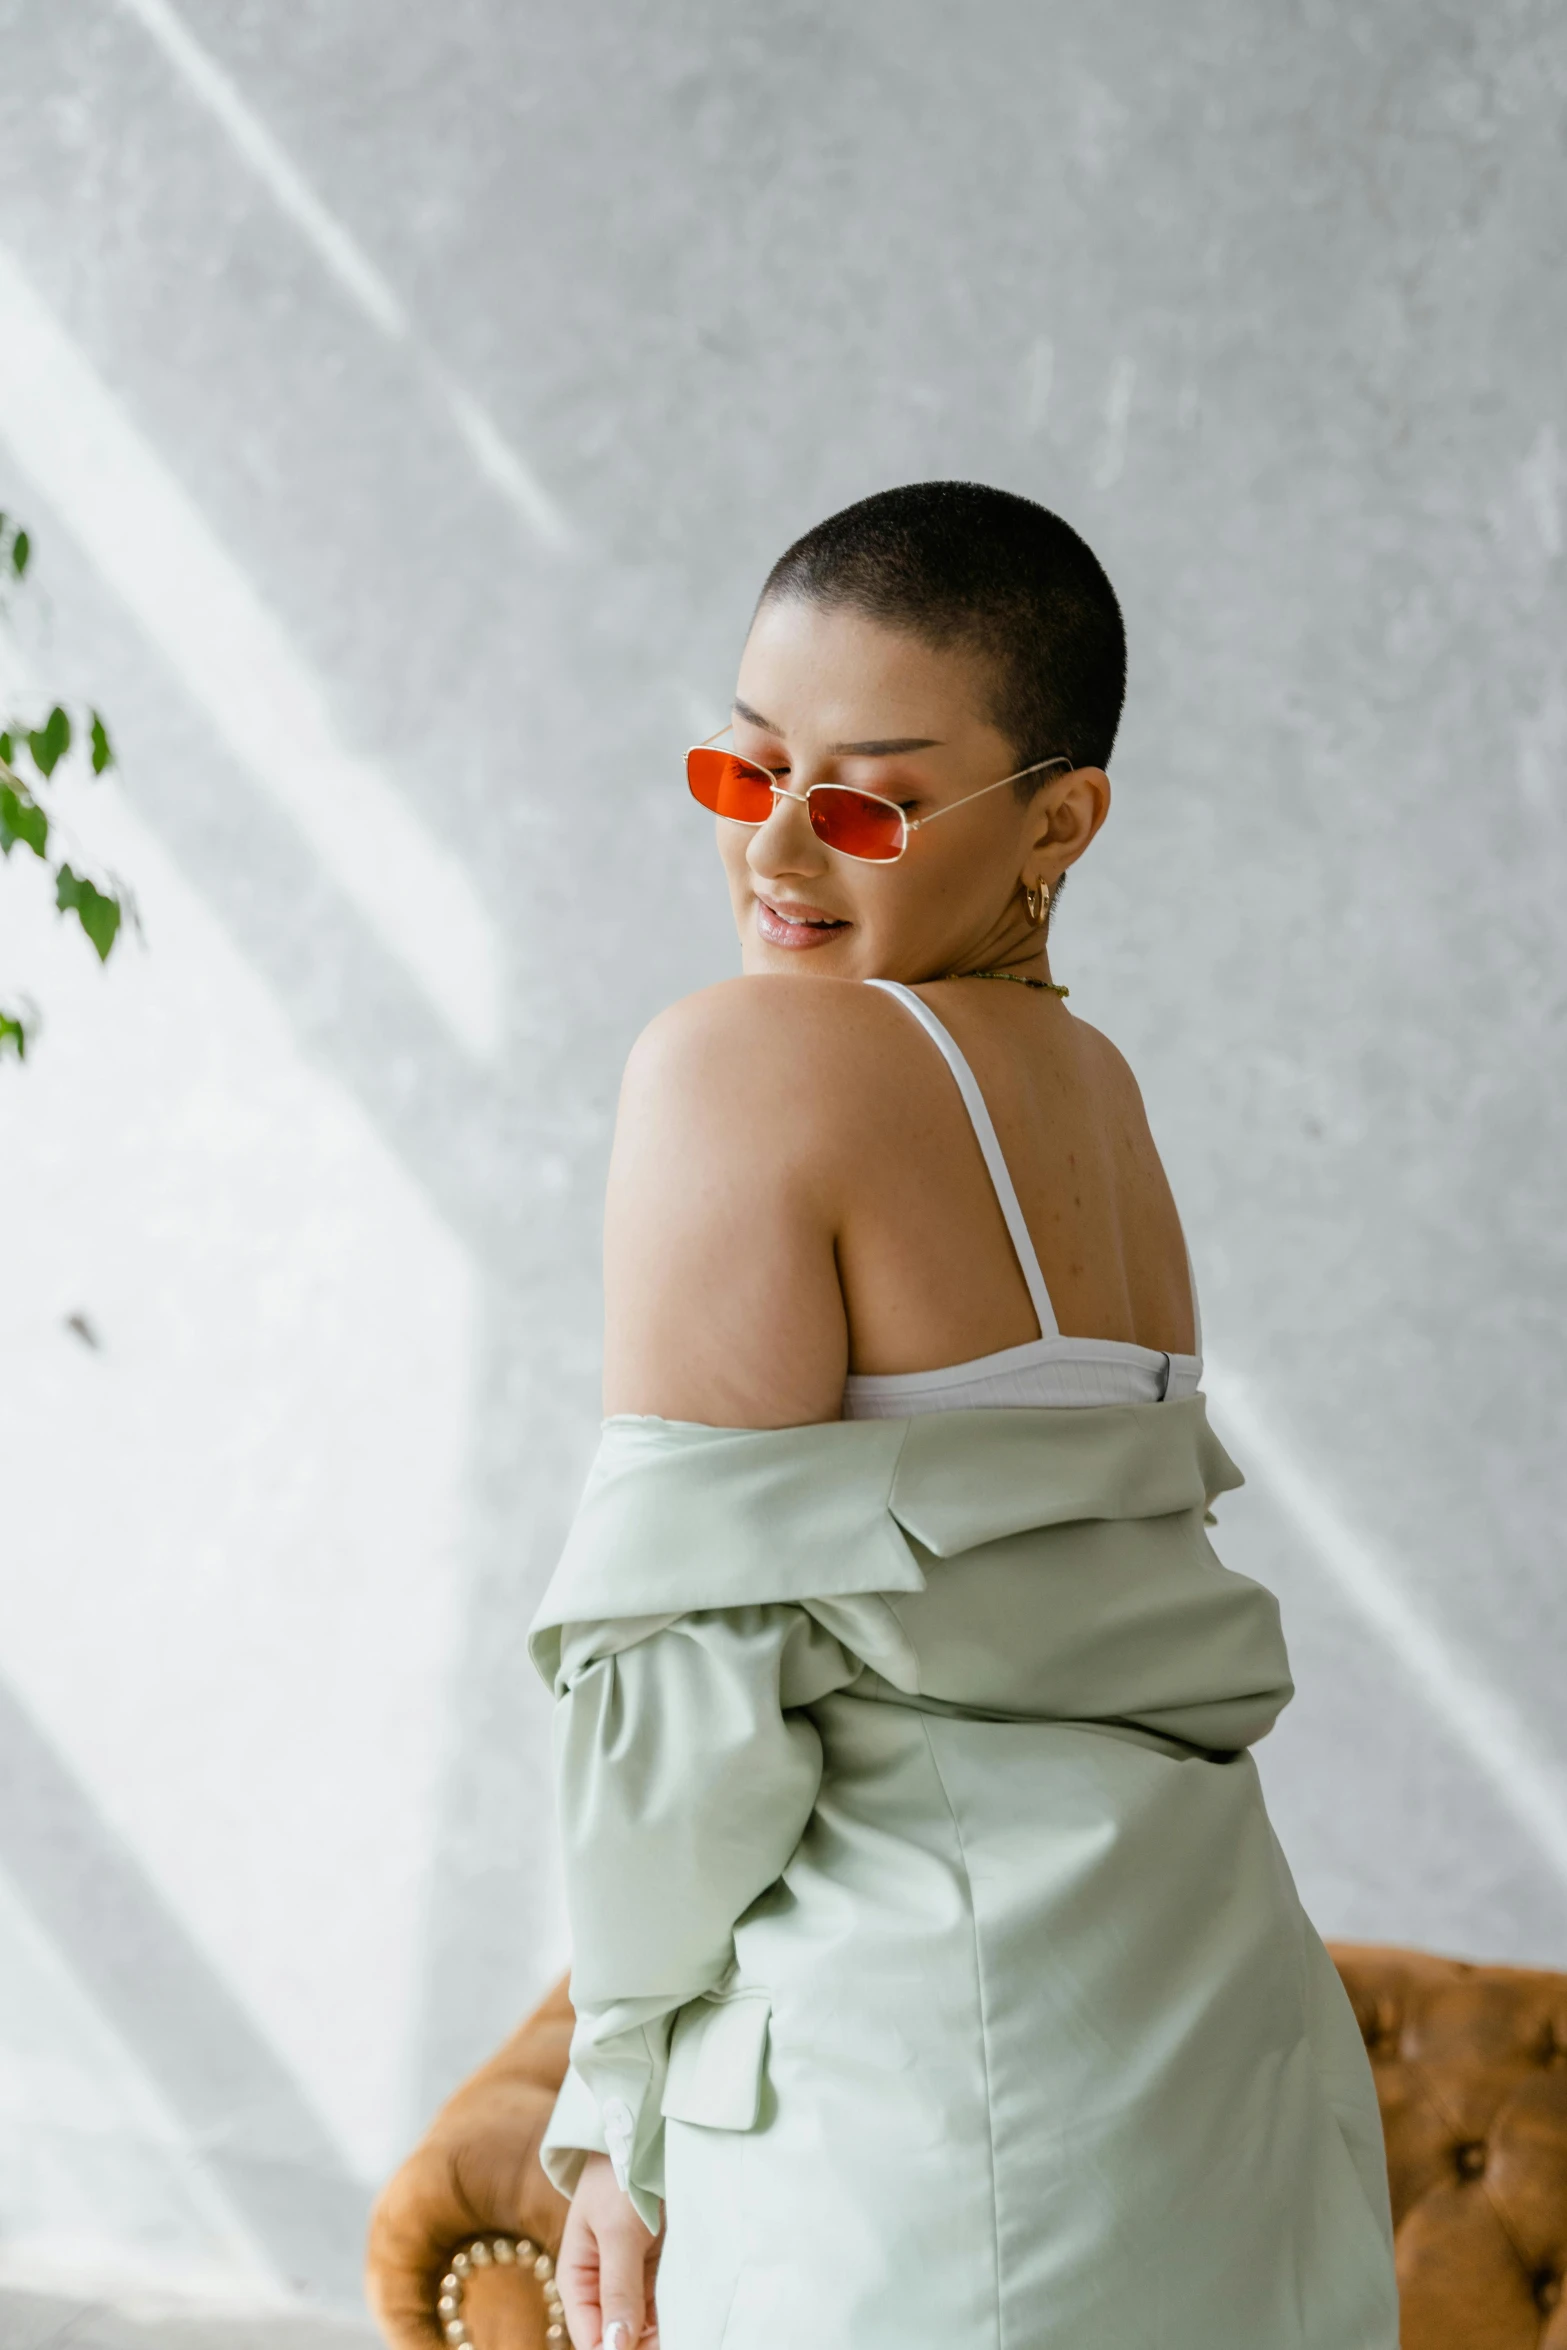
x=686, y=1771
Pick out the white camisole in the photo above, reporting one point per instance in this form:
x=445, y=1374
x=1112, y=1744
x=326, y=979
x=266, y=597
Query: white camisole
x=1050, y=1369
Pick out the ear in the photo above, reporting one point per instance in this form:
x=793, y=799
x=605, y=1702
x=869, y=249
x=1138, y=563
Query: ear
x=1067, y=812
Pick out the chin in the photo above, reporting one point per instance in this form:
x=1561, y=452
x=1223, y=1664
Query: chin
x=759, y=958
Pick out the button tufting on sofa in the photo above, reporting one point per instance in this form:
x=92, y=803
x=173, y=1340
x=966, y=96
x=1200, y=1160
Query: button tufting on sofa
x=1470, y=2064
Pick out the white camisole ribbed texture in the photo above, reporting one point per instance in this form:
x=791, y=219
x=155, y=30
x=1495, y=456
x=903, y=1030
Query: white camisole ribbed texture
x=1050, y=1369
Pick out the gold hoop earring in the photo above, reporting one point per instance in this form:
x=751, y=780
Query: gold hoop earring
x=1037, y=901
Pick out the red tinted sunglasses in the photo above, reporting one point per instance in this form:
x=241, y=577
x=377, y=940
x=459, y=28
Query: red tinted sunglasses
x=855, y=823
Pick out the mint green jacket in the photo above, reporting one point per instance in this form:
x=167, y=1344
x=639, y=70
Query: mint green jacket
x=935, y=1962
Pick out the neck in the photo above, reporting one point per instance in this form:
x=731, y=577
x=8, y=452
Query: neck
x=1024, y=959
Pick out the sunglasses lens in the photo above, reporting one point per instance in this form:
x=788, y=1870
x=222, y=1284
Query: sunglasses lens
x=729, y=786
x=856, y=824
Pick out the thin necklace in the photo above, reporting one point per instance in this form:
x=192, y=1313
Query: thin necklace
x=1046, y=986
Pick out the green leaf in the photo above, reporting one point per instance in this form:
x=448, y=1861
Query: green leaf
x=21, y=548
x=21, y=819
x=50, y=742
x=13, y=1035
x=98, y=915
x=7, y=750
x=102, y=748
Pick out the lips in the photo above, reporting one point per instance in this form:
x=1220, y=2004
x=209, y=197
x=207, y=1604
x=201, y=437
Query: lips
x=784, y=924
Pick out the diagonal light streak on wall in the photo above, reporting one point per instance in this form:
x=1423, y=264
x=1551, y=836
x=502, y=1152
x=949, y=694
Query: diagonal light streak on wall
x=115, y=2116
x=497, y=461
x=147, y=539
x=292, y=193
x=1526, y=1778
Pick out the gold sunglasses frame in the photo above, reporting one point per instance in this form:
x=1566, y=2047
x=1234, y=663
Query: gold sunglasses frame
x=910, y=824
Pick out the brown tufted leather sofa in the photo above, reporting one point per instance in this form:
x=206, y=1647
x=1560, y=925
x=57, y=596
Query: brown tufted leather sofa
x=476, y=2172
x=1471, y=2071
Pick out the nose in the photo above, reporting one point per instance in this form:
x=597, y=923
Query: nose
x=786, y=842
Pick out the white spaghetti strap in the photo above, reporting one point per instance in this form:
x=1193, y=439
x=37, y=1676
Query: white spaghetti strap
x=990, y=1147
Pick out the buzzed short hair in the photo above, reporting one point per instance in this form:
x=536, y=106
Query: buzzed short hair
x=958, y=564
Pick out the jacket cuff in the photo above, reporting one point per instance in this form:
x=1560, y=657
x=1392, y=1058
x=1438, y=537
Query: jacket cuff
x=623, y=2076
x=579, y=2126
x=574, y=2131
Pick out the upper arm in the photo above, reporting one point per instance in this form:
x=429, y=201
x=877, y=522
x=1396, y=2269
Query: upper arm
x=722, y=1300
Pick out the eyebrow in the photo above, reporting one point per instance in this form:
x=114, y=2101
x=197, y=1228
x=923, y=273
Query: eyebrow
x=871, y=750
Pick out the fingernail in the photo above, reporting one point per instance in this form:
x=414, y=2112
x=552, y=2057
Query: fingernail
x=616, y=2334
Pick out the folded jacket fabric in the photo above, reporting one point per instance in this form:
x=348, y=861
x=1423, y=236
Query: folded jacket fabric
x=933, y=1955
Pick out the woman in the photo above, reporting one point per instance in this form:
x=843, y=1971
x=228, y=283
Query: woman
x=935, y=1966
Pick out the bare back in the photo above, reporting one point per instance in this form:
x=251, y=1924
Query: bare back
x=797, y=1193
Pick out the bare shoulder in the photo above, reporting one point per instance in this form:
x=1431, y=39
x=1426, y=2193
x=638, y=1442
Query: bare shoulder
x=760, y=1039
x=1110, y=1068
x=722, y=1297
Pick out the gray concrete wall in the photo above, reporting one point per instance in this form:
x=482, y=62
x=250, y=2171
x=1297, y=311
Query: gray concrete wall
x=406, y=403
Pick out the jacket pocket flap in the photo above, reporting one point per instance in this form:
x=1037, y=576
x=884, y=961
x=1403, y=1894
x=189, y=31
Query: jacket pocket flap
x=716, y=2056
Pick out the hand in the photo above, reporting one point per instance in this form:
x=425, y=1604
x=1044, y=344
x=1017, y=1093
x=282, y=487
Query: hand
x=608, y=2265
